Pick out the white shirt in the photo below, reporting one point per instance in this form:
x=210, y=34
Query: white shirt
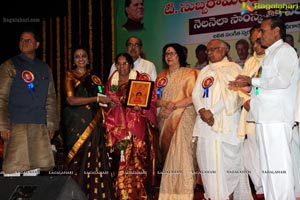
x=142, y=66
x=277, y=86
x=297, y=115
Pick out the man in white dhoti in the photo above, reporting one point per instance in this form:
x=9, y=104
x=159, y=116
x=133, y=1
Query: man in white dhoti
x=219, y=150
x=251, y=153
x=272, y=107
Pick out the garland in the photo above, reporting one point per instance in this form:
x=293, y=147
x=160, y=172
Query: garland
x=122, y=145
x=115, y=79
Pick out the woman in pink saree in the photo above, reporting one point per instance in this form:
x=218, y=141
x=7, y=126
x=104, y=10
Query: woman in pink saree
x=130, y=133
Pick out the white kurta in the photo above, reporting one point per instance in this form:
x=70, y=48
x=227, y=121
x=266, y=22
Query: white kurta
x=219, y=150
x=295, y=149
x=273, y=112
x=297, y=113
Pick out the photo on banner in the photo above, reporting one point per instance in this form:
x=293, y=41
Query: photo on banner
x=196, y=22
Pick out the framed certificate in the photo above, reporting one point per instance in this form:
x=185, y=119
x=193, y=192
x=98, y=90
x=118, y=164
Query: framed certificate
x=139, y=93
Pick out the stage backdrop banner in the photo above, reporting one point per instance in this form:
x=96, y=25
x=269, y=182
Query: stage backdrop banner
x=194, y=22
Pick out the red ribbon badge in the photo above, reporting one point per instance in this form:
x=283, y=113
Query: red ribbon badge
x=162, y=82
x=27, y=76
x=144, y=77
x=96, y=80
x=206, y=84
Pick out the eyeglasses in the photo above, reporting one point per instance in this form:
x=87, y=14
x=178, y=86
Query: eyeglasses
x=26, y=40
x=170, y=54
x=131, y=45
x=212, y=49
x=122, y=64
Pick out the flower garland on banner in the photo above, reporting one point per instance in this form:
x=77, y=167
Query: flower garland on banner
x=115, y=79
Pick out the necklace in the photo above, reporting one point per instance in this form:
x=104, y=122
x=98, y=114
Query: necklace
x=80, y=72
x=174, y=71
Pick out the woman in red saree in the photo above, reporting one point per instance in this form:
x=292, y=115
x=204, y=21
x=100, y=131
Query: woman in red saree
x=130, y=133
